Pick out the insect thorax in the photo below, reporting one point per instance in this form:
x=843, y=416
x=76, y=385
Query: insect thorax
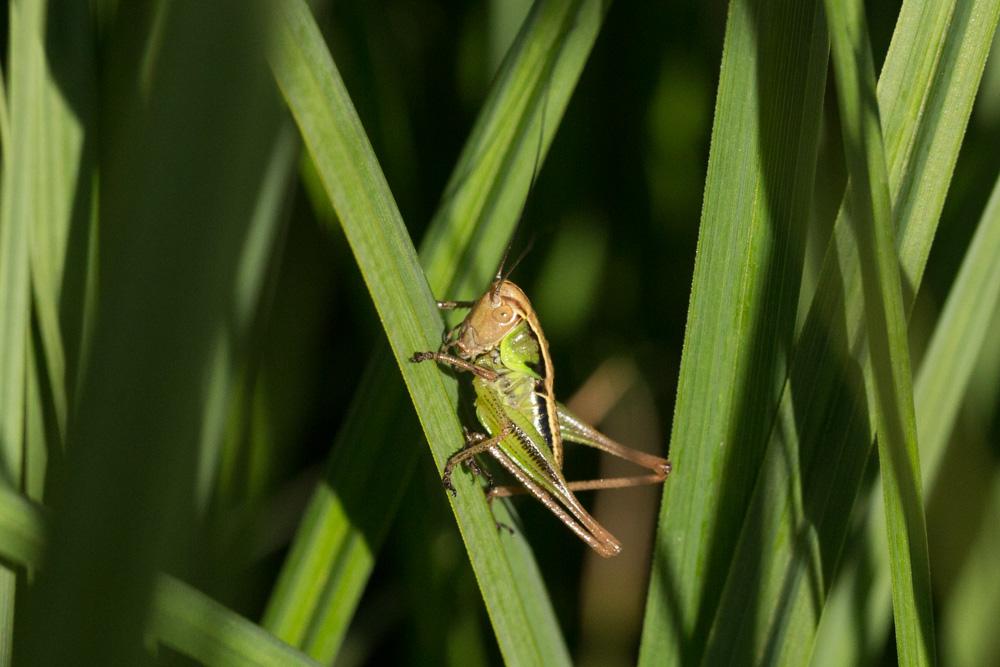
x=519, y=385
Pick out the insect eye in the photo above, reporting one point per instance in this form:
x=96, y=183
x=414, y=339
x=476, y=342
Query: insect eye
x=503, y=314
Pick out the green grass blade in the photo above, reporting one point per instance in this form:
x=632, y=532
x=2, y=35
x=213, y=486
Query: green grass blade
x=820, y=444
x=36, y=429
x=943, y=380
x=197, y=626
x=890, y=392
x=18, y=204
x=168, y=256
x=63, y=184
x=4, y=121
x=508, y=578
x=964, y=327
x=22, y=531
x=182, y=618
x=333, y=552
x=742, y=312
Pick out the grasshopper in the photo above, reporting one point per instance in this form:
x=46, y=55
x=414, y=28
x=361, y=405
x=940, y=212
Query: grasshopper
x=501, y=343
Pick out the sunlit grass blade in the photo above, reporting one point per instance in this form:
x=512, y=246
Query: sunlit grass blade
x=63, y=189
x=21, y=190
x=201, y=628
x=889, y=388
x=742, y=312
x=941, y=383
x=512, y=589
x=22, y=536
x=4, y=122
x=821, y=442
x=182, y=618
x=965, y=325
x=61, y=182
x=343, y=528
x=334, y=548
x=168, y=255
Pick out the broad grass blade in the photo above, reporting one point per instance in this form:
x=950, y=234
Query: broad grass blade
x=61, y=180
x=22, y=148
x=742, y=313
x=197, y=109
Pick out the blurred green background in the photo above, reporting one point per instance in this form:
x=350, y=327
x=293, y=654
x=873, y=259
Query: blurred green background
x=611, y=225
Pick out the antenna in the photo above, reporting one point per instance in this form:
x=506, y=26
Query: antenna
x=503, y=260
x=500, y=275
x=524, y=253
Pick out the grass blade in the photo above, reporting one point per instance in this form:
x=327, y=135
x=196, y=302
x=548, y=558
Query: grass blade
x=508, y=578
x=964, y=327
x=204, y=630
x=43, y=150
x=943, y=380
x=63, y=191
x=168, y=251
x=820, y=444
x=22, y=536
x=742, y=312
x=344, y=526
x=18, y=202
x=890, y=392
x=61, y=181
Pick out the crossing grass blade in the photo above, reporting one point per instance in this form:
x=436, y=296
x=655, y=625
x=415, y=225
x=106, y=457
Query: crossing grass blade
x=508, y=577
x=821, y=441
x=889, y=388
x=941, y=384
x=343, y=528
x=742, y=313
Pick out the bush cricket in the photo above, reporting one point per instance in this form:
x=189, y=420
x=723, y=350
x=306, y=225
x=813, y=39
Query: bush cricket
x=502, y=344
